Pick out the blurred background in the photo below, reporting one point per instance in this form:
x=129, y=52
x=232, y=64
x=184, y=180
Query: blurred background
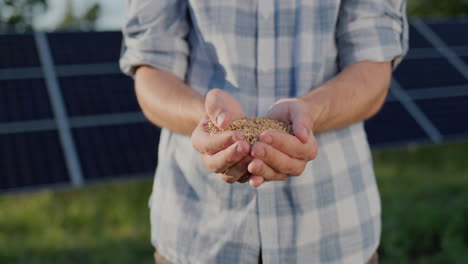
x=77, y=155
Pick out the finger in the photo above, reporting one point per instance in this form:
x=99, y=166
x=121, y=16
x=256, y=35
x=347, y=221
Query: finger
x=279, y=111
x=235, y=172
x=255, y=181
x=297, y=115
x=221, y=108
x=302, y=124
x=259, y=168
x=214, y=108
x=245, y=178
x=207, y=143
x=277, y=160
x=301, y=132
x=290, y=145
x=226, y=158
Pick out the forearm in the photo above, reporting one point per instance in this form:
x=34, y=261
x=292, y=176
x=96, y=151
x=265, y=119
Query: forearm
x=355, y=94
x=167, y=101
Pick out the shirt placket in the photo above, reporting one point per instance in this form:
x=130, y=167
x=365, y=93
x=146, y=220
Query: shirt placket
x=265, y=56
x=266, y=64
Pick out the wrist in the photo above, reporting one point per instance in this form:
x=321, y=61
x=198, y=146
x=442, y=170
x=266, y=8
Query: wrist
x=316, y=107
x=199, y=107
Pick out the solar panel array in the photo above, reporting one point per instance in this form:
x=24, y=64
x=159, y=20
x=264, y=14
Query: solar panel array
x=428, y=100
x=110, y=136
x=68, y=116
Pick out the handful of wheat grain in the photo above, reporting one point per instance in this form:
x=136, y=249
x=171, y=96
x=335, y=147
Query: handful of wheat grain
x=251, y=127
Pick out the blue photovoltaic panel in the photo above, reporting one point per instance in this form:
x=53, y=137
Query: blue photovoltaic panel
x=31, y=159
x=416, y=40
x=450, y=115
x=391, y=125
x=465, y=59
x=111, y=151
x=85, y=47
x=453, y=33
x=427, y=73
x=18, y=50
x=87, y=95
x=22, y=100
x=127, y=150
x=422, y=54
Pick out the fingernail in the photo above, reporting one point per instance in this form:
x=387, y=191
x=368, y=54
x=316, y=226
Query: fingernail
x=305, y=135
x=252, y=167
x=252, y=181
x=256, y=181
x=239, y=148
x=220, y=119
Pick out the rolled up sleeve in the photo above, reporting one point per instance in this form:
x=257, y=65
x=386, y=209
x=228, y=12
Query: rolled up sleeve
x=155, y=34
x=374, y=30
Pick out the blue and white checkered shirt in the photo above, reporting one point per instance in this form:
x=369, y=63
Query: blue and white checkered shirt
x=261, y=51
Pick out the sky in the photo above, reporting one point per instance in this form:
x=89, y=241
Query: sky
x=111, y=17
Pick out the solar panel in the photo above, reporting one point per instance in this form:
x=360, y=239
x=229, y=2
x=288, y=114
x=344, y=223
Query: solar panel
x=24, y=100
x=88, y=95
x=427, y=73
x=453, y=33
x=465, y=59
x=85, y=47
x=393, y=124
x=113, y=151
x=18, y=50
x=422, y=54
x=31, y=159
x=416, y=40
x=112, y=139
x=450, y=115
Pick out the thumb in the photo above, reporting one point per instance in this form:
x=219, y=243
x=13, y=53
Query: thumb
x=302, y=124
x=221, y=108
x=214, y=108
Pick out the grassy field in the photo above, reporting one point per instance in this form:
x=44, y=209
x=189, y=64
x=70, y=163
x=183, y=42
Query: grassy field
x=424, y=196
x=425, y=204
x=100, y=224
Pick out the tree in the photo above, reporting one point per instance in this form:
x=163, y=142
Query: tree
x=87, y=21
x=438, y=8
x=18, y=15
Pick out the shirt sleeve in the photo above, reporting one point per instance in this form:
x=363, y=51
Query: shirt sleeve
x=374, y=30
x=155, y=34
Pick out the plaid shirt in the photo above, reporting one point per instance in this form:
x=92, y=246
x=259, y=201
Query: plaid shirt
x=261, y=51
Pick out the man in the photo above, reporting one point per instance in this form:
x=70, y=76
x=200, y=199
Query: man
x=323, y=65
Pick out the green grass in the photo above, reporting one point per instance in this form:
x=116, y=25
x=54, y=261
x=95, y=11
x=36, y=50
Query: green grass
x=99, y=224
x=425, y=204
x=424, y=197
x=437, y=8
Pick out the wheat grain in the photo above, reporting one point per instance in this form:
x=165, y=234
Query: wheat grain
x=251, y=127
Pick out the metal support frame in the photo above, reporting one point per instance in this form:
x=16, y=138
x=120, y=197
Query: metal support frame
x=440, y=45
x=20, y=73
x=75, y=122
x=108, y=119
x=438, y=92
x=27, y=126
x=59, y=110
x=415, y=112
x=60, y=70
x=87, y=69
